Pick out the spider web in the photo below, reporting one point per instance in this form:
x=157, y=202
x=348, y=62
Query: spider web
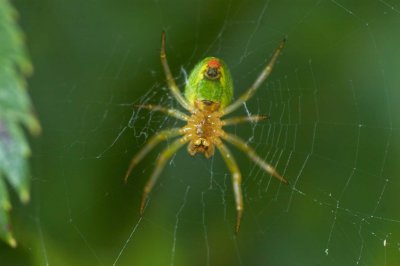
x=332, y=132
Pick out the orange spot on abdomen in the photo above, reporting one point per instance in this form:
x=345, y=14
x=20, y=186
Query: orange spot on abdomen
x=214, y=63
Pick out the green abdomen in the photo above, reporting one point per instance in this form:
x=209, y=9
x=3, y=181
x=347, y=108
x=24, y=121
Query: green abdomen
x=216, y=90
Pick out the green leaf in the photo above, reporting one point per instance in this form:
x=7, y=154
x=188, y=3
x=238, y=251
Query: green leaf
x=15, y=111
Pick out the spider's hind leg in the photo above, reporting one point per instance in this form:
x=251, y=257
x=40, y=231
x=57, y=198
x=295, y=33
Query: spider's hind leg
x=170, y=79
x=242, y=119
x=260, y=79
x=169, y=111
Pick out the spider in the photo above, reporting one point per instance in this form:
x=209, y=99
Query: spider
x=208, y=95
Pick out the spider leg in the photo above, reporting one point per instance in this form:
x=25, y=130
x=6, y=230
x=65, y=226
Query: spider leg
x=162, y=159
x=240, y=144
x=154, y=140
x=169, y=111
x=241, y=119
x=236, y=181
x=170, y=79
x=260, y=79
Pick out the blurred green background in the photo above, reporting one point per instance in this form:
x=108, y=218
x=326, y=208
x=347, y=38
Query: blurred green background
x=333, y=99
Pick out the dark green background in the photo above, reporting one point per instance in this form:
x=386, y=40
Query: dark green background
x=333, y=99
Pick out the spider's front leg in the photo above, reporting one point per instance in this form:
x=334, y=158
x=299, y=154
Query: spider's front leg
x=240, y=144
x=162, y=159
x=154, y=140
x=236, y=181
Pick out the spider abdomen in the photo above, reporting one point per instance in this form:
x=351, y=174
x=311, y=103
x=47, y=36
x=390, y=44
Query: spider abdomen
x=210, y=80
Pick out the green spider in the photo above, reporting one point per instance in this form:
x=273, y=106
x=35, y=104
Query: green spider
x=208, y=96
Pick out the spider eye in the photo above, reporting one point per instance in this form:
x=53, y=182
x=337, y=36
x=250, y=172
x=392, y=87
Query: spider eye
x=212, y=73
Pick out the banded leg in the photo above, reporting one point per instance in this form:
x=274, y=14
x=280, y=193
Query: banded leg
x=236, y=181
x=154, y=140
x=242, y=119
x=170, y=79
x=165, y=155
x=169, y=111
x=260, y=79
x=240, y=144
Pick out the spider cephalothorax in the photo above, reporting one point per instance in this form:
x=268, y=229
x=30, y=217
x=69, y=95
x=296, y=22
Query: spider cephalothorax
x=204, y=128
x=208, y=96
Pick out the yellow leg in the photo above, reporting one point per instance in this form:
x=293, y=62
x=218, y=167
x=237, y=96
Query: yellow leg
x=162, y=159
x=169, y=111
x=170, y=79
x=154, y=140
x=241, y=119
x=240, y=144
x=260, y=79
x=236, y=181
